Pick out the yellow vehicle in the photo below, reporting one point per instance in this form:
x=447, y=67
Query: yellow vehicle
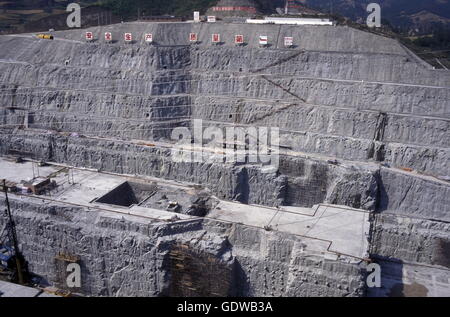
x=45, y=36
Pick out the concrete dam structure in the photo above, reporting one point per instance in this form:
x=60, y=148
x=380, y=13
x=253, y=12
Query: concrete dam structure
x=362, y=172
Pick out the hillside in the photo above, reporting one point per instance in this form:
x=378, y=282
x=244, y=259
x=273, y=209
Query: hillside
x=422, y=25
x=403, y=14
x=16, y=15
x=131, y=8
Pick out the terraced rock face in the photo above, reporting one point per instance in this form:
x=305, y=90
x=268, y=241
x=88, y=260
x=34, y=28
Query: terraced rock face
x=363, y=122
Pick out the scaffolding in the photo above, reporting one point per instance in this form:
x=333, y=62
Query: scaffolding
x=10, y=257
x=195, y=273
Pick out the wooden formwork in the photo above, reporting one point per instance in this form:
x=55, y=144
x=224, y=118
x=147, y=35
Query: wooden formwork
x=195, y=273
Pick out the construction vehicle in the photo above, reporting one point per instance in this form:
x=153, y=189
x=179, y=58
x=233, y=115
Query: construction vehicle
x=45, y=36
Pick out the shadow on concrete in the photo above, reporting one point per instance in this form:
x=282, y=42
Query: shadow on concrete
x=242, y=190
x=394, y=283
x=382, y=196
x=240, y=286
x=441, y=255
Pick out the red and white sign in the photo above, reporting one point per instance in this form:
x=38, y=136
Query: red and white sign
x=193, y=37
x=238, y=39
x=148, y=38
x=89, y=36
x=263, y=40
x=212, y=18
x=108, y=37
x=288, y=41
x=128, y=37
x=216, y=38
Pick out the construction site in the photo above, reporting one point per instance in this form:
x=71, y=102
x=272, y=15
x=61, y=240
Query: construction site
x=88, y=175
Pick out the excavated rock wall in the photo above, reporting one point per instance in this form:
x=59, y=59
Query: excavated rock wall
x=411, y=240
x=121, y=255
x=340, y=93
x=314, y=181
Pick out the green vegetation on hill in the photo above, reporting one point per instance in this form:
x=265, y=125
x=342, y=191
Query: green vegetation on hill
x=131, y=8
x=14, y=14
x=403, y=14
x=433, y=47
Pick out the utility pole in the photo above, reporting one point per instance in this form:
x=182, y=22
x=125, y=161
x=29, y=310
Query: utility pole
x=13, y=237
x=70, y=178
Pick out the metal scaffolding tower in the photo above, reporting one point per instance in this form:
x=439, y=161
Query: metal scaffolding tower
x=10, y=257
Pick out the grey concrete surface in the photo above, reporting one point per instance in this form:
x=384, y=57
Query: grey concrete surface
x=14, y=290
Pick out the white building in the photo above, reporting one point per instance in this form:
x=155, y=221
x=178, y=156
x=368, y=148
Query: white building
x=292, y=21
